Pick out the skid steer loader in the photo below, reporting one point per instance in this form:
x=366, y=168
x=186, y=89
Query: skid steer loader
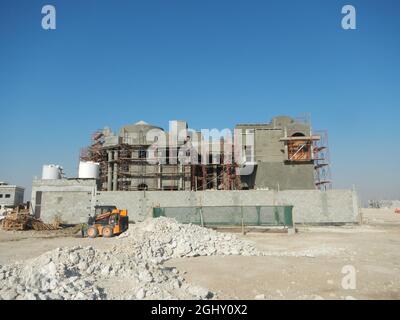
x=107, y=222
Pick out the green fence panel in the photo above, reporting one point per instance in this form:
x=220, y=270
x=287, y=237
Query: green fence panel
x=158, y=212
x=229, y=215
x=288, y=216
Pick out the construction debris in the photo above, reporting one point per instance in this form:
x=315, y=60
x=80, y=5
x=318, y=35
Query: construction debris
x=20, y=221
x=163, y=238
x=132, y=269
x=88, y=274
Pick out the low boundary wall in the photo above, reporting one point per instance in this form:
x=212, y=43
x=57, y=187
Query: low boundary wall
x=74, y=200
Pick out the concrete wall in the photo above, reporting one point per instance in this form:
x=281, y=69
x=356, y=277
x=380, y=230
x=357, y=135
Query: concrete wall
x=320, y=207
x=310, y=206
x=71, y=200
x=283, y=176
x=268, y=147
x=74, y=200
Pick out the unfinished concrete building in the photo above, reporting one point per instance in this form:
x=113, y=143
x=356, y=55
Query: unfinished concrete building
x=281, y=163
x=138, y=159
x=285, y=154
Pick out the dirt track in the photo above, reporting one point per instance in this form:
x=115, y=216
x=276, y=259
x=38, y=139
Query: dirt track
x=309, y=268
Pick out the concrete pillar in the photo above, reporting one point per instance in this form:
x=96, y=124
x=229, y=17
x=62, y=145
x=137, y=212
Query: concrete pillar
x=159, y=177
x=115, y=177
x=215, y=177
x=109, y=177
x=109, y=171
x=180, y=187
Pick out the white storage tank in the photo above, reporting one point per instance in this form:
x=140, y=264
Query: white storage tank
x=89, y=170
x=51, y=172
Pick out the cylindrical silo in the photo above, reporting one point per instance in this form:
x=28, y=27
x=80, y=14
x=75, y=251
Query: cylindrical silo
x=89, y=170
x=51, y=172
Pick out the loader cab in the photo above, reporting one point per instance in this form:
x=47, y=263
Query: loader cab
x=104, y=209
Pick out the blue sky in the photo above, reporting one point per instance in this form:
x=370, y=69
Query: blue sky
x=213, y=63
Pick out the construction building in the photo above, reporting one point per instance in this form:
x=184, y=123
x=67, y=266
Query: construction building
x=10, y=195
x=244, y=172
x=281, y=155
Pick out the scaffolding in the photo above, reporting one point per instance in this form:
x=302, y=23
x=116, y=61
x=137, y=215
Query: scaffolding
x=323, y=180
x=128, y=167
x=215, y=176
x=127, y=163
x=95, y=152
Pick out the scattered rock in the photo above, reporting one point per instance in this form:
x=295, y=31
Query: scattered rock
x=140, y=294
x=199, y=292
x=9, y=294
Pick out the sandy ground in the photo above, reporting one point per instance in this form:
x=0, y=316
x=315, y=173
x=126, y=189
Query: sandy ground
x=307, y=265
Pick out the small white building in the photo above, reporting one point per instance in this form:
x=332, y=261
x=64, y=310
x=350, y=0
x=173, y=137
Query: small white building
x=10, y=195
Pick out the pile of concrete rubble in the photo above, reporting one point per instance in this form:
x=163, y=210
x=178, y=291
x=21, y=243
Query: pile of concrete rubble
x=161, y=239
x=132, y=269
x=87, y=273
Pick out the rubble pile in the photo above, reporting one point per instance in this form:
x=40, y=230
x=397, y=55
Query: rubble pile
x=163, y=238
x=88, y=274
x=132, y=269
